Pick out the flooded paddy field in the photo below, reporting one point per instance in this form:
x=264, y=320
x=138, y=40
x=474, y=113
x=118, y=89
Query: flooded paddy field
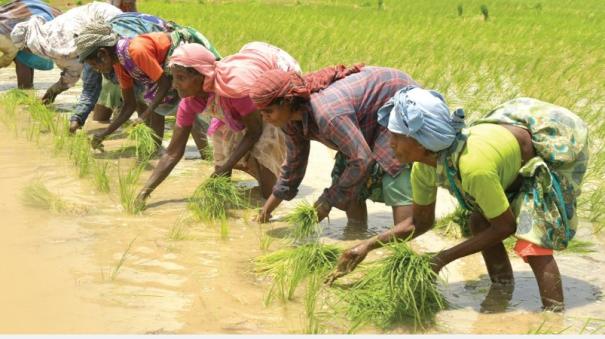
x=101, y=270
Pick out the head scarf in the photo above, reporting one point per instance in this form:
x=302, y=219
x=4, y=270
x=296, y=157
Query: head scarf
x=199, y=58
x=279, y=84
x=28, y=32
x=93, y=36
x=233, y=76
x=423, y=115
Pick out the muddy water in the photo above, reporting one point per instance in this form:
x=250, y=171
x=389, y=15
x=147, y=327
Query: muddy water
x=62, y=274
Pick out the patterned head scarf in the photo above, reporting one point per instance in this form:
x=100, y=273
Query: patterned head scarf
x=280, y=84
x=93, y=36
x=423, y=115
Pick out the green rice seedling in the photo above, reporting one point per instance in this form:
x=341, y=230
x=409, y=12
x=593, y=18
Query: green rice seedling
x=312, y=323
x=455, y=224
x=290, y=266
x=208, y=153
x=79, y=153
x=265, y=240
x=114, y=273
x=543, y=330
x=100, y=175
x=144, y=140
x=579, y=246
x=36, y=195
x=460, y=9
x=127, y=184
x=304, y=223
x=212, y=199
x=180, y=229
x=44, y=116
x=399, y=288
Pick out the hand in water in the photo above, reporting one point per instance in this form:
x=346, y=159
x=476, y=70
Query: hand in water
x=263, y=216
x=348, y=261
x=97, y=142
x=141, y=197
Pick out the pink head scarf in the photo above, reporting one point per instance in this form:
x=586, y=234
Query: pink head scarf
x=233, y=76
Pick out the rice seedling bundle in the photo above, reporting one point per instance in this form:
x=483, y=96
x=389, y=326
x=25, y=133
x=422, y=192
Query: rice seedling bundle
x=304, y=223
x=396, y=289
x=144, y=140
x=290, y=266
x=213, y=197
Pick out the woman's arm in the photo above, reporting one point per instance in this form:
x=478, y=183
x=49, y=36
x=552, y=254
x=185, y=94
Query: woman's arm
x=164, y=85
x=127, y=109
x=173, y=155
x=422, y=221
x=254, y=129
x=501, y=228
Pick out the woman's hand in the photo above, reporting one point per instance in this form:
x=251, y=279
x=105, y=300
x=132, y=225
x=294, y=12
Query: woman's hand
x=348, y=261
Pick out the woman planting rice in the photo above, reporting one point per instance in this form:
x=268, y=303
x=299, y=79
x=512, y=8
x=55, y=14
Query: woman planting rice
x=55, y=40
x=11, y=14
x=337, y=106
x=519, y=169
x=240, y=139
x=139, y=60
x=106, y=93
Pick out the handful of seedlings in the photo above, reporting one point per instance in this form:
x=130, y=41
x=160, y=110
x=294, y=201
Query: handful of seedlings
x=36, y=195
x=212, y=199
x=291, y=266
x=144, y=140
x=304, y=223
x=396, y=289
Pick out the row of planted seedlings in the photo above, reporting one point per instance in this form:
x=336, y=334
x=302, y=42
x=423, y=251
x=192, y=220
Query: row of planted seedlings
x=209, y=203
x=22, y=111
x=398, y=289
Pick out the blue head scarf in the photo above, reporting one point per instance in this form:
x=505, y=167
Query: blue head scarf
x=423, y=115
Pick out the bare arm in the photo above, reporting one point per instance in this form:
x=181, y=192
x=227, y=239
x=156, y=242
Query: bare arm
x=410, y=228
x=173, y=155
x=164, y=85
x=501, y=228
x=254, y=129
x=125, y=113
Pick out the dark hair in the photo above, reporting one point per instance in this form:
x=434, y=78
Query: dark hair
x=188, y=69
x=95, y=55
x=295, y=103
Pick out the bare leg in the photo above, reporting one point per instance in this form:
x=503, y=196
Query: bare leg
x=101, y=113
x=157, y=125
x=25, y=76
x=495, y=257
x=400, y=213
x=199, y=136
x=357, y=215
x=266, y=181
x=549, y=281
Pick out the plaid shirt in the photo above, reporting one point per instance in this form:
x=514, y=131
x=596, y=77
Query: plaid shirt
x=343, y=117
